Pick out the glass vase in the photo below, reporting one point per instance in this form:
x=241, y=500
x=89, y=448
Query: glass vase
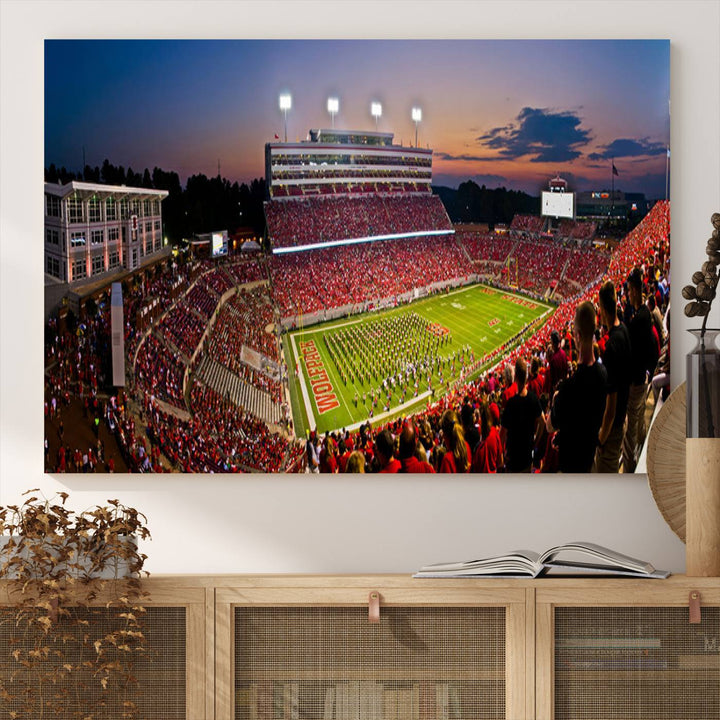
x=703, y=386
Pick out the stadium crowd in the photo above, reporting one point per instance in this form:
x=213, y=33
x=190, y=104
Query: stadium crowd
x=545, y=263
x=244, y=270
x=74, y=370
x=252, y=315
x=326, y=278
x=576, y=230
x=229, y=357
x=218, y=282
x=487, y=246
x=584, y=267
x=527, y=223
x=159, y=371
x=343, y=188
x=235, y=439
x=202, y=300
x=539, y=265
x=182, y=327
x=312, y=220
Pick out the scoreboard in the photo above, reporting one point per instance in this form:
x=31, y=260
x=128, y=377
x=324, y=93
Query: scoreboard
x=558, y=204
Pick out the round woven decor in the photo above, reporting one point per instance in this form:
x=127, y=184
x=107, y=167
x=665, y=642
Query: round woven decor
x=666, y=461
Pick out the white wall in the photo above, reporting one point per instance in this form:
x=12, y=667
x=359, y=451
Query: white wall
x=300, y=524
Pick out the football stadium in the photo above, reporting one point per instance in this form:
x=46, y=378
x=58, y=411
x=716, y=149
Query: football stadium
x=367, y=324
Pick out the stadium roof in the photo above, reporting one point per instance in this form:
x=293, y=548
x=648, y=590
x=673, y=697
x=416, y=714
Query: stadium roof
x=86, y=189
x=349, y=136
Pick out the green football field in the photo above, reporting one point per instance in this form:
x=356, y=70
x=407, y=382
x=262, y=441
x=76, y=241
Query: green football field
x=392, y=362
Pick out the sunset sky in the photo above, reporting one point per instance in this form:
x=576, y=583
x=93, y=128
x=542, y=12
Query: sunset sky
x=503, y=113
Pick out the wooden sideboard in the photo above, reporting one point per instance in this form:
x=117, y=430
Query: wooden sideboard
x=303, y=646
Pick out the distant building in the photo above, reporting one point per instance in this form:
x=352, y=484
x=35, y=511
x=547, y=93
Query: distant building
x=557, y=184
x=602, y=204
x=210, y=244
x=93, y=231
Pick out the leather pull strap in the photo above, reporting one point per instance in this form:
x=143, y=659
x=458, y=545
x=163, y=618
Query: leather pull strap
x=694, y=603
x=374, y=607
x=53, y=612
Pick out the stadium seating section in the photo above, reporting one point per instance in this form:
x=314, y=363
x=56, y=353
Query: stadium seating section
x=527, y=223
x=326, y=219
x=333, y=277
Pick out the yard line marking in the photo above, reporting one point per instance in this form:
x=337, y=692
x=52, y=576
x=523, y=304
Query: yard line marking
x=393, y=411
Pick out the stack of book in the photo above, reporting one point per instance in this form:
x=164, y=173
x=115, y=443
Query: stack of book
x=609, y=653
x=351, y=700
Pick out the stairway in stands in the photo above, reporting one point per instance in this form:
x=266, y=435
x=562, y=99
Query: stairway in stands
x=232, y=388
x=551, y=291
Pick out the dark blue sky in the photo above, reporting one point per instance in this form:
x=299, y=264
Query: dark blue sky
x=500, y=112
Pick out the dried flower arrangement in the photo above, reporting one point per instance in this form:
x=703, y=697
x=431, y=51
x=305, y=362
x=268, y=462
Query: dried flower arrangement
x=703, y=367
x=70, y=609
x=702, y=293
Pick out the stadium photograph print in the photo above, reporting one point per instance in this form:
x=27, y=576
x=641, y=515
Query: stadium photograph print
x=346, y=258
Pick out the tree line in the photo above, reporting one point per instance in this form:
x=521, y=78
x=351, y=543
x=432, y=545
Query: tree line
x=472, y=203
x=203, y=205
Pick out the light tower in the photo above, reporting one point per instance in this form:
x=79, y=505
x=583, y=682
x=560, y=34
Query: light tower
x=417, y=117
x=285, y=105
x=376, y=112
x=333, y=106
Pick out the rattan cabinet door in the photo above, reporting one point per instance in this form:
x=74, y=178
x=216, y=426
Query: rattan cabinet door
x=154, y=680
x=168, y=679
x=624, y=663
x=328, y=662
x=628, y=654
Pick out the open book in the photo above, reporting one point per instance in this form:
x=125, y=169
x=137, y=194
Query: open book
x=575, y=558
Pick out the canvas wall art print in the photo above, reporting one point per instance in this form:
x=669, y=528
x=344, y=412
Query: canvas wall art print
x=304, y=256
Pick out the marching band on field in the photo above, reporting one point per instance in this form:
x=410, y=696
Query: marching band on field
x=397, y=353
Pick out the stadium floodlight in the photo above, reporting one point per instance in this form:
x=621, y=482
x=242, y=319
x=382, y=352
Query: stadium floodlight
x=333, y=107
x=416, y=114
x=376, y=112
x=285, y=105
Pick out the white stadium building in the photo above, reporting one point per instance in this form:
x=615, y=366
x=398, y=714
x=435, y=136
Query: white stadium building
x=95, y=231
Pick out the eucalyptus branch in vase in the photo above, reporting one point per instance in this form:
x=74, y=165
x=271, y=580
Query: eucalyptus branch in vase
x=701, y=295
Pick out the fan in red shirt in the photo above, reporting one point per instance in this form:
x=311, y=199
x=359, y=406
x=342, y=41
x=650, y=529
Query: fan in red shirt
x=457, y=457
x=328, y=462
x=344, y=453
x=536, y=381
x=510, y=385
x=488, y=456
x=558, y=364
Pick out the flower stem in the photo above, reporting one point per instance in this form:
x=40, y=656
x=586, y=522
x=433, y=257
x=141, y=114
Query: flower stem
x=705, y=380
